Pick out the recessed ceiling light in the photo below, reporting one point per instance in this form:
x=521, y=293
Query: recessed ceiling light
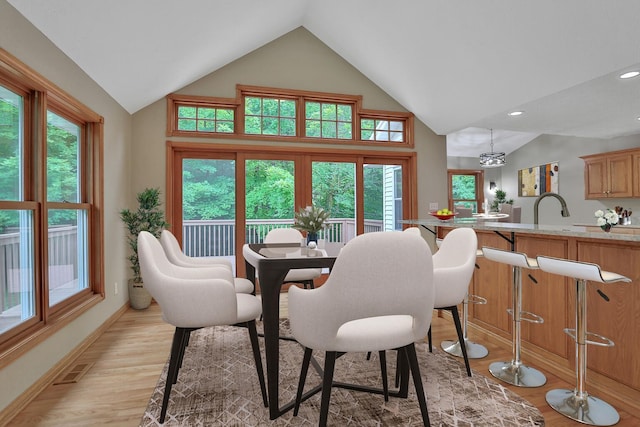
x=516, y=113
x=629, y=74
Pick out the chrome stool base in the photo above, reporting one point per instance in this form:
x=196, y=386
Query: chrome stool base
x=518, y=375
x=474, y=350
x=587, y=410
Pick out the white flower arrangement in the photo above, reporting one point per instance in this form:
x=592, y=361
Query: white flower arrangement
x=310, y=219
x=606, y=218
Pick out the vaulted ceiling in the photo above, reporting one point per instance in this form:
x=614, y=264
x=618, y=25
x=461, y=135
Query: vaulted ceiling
x=460, y=66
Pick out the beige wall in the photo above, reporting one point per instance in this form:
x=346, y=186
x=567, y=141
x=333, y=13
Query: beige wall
x=21, y=39
x=297, y=60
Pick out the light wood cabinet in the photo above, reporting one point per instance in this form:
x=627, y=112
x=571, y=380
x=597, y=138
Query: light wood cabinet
x=610, y=175
x=636, y=175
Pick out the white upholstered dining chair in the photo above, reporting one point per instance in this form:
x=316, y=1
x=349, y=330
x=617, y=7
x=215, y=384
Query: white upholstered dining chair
x=190, y=299
x=177, y=257
x=305, y=276
x=378, y=297
x=453, y=266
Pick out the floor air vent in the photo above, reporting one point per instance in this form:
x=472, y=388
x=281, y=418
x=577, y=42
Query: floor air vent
x=74, y=374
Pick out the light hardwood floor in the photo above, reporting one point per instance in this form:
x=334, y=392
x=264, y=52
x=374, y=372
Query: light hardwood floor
x=129, y=357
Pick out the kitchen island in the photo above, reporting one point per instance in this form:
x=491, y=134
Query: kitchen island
x=613, y=371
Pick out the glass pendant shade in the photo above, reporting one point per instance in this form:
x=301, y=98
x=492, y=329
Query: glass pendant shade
x=492, y=159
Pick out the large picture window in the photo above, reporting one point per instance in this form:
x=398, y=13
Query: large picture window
x=50, y=207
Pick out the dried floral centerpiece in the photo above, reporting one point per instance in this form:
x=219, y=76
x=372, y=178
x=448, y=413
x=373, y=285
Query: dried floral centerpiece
x=311, y=219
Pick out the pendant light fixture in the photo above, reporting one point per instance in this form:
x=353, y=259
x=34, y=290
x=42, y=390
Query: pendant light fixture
x=492, y=160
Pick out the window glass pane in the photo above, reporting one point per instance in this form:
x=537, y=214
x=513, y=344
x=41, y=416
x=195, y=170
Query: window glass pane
x=63, y=155
x=366, y=135
x=328, y=129
x=252, y=125
x=11, y=143
x=269, y=194
x=184, y=124
x=68, y=251
x=187, y=112
x=333, y=188
x=224, y=114
x=253, y=106
x=312, y=110
x=312, y=128
x=206, y=126
x=206, y=113
x=270, y=107
x=288, y=127
x=344, y=131
x=464, y=191
x=209, y=207
x=287, y=108
x=17, y=286
x=329, y=112
x=270, y=126
x=382, y=197
x=224, y=127
x=344, y=113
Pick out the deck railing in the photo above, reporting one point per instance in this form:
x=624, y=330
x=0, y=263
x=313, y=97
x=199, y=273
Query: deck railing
x=217, y=238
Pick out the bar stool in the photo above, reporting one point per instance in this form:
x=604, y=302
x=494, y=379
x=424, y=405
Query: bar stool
x=515, y=372
x=474, y=350
x=577, y=404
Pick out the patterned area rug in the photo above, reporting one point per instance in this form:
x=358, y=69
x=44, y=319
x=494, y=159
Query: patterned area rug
x=218, y=386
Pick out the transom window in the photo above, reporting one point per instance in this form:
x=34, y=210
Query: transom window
x=206, y=119
x=289, y=115
x=328, y=120
x=269, y=116
x=382, y=130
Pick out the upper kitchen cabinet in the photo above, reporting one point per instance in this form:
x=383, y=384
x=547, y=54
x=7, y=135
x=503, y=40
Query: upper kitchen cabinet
x=611, y=174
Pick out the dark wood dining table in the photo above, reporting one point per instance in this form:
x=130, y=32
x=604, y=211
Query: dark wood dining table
x=273, y=261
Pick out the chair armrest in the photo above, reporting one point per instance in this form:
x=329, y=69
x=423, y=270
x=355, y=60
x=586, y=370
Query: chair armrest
x=195, y=302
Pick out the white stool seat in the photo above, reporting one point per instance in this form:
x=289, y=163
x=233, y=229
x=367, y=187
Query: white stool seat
x=577, y=404
x=515, y=372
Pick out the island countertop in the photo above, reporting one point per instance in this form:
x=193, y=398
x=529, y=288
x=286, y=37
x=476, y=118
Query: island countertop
x=509, y=227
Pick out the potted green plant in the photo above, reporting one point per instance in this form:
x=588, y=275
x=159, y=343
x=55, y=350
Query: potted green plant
x=501, y=198
x=148, y=217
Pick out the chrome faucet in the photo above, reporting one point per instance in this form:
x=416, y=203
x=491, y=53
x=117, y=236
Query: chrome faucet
x=564, y=211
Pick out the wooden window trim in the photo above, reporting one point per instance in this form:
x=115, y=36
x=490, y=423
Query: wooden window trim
x=479, y=174
x=300, y=96
x=43, y=95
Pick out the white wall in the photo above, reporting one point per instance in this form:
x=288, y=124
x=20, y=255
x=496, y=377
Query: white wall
x=22, y=40
x=566, y=151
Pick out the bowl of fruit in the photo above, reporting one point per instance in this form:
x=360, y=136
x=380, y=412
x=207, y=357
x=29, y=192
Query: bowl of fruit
x=443, y=214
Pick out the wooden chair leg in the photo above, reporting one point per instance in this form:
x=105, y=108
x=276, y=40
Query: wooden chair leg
x=255, y=346
x=327, y=382
x=417, y=381
x=303, y=376
x=429, y=339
